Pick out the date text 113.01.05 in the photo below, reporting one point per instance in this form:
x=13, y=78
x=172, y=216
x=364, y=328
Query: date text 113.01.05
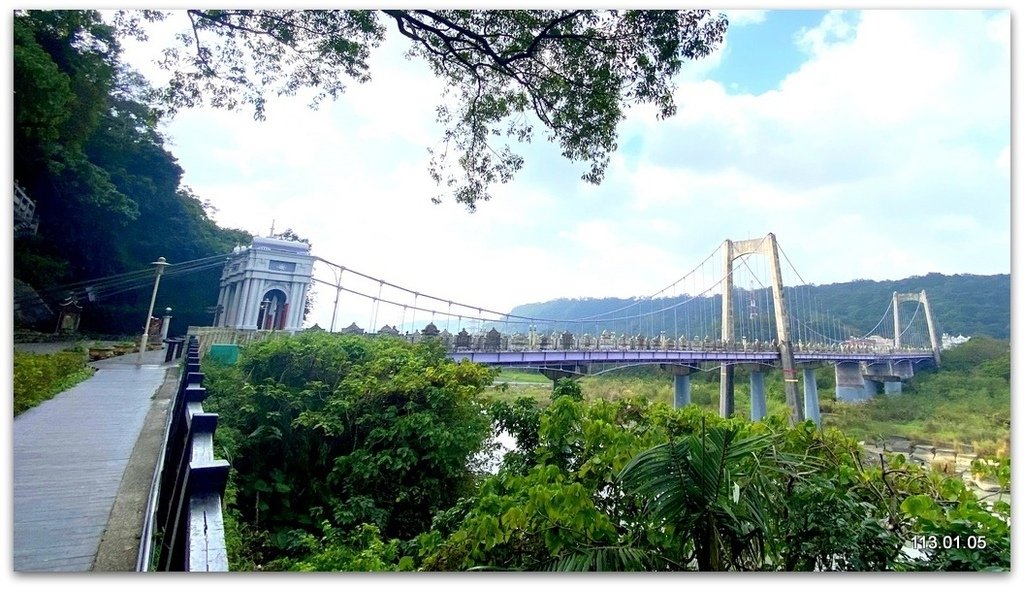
x=949, y=542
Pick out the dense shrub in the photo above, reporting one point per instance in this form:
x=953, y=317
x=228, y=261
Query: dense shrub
x=336, y=432
x=39, y=377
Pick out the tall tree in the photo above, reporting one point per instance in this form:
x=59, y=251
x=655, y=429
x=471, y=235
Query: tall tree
x=108, y=193
x=575, y=72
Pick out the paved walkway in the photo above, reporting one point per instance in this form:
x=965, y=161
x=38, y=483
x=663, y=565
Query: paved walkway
x=71, y=454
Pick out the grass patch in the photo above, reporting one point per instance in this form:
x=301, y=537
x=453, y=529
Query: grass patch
x=509, y=392
x=943, y=408
x=40, y=377
x=514, y=375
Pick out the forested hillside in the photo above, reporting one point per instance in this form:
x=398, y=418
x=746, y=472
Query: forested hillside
x=964, y=304
x=108, y=194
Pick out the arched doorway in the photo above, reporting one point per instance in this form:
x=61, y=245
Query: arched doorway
x=273, y=310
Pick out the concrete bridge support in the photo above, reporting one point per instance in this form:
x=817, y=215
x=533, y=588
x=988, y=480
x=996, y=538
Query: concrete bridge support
x=903, y=369
x=681, y=383
x=851, y=387
x=758, y=404
x=872, y=387
x=890, y=375
x=682, y=390
x=726, y=393
x=811, y=409
x=567, y=371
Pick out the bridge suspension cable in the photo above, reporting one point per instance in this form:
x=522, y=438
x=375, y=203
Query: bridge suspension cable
x=514, y=318
x=109, y=286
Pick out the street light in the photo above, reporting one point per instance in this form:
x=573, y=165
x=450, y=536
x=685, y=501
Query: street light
x=160, y=264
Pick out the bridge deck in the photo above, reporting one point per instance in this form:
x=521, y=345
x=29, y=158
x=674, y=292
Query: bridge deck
x=70, y=454
x=555, y=357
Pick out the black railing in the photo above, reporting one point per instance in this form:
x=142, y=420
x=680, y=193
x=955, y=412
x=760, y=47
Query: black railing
x=184, y=526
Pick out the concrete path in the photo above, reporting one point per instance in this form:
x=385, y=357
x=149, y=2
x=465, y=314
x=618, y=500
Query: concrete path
x=70, y=456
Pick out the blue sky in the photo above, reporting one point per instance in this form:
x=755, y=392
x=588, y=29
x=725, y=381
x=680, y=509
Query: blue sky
x=761, y=53
x=875, y=144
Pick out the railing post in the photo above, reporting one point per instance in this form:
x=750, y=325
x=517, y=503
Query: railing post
x=205, y=549
x=191, y=484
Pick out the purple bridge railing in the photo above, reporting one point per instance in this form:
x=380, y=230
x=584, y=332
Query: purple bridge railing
x=546, y=358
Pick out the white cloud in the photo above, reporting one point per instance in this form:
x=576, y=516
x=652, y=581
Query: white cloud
x=891, y=137
x=740, y=18
x=902, y=118
x=834, y=28
x=1003, y=161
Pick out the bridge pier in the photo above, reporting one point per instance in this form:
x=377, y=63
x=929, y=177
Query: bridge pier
x=681, y=383
x=903, y=369
x=758, y=403
x=726, y=395
x=556, y=372
x=811, y=408
x=893, y=387
x=851, y=387
x=872, y=387
x=682, y=390
x=890, y=375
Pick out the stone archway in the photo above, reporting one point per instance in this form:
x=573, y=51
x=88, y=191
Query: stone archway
x=273, y=310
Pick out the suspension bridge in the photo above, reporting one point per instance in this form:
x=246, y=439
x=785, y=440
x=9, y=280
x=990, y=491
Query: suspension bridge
x=744, y=304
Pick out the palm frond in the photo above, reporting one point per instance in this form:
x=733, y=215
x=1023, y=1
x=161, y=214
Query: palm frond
x=605, y=559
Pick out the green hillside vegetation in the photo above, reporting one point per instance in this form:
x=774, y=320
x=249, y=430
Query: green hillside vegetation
x=108, y=193
x=962, y=304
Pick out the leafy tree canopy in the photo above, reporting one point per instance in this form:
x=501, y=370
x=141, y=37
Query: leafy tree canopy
x=573, y=71
x=327, y=433
x=108, y=193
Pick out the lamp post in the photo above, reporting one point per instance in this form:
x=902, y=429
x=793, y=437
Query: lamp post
x=160, y=264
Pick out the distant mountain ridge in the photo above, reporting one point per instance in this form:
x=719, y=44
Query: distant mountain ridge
x=962, y=304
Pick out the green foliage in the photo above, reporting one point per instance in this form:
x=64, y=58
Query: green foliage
x=326, y=431
x=836, y=516
x=530, y=376
x=630, y=485
x=361, y=550
x=39, y=377
x=520, y=419
x=957, y=532
x=999, y=470
x=976, y=351
x=567, y=387
x=710, y=488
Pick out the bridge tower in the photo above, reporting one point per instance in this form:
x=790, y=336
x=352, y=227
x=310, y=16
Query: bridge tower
x=265, y=285
x=922, y=298
x=732, y=251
